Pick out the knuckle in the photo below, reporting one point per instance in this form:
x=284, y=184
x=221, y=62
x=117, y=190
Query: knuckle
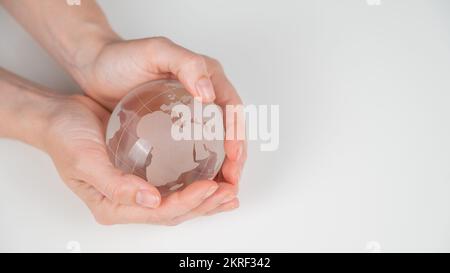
x=214, y=63
x=195, y=60
x=161, y=40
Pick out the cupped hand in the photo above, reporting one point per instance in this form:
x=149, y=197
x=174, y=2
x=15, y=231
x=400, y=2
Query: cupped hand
x=121, y=66
x=75, y=142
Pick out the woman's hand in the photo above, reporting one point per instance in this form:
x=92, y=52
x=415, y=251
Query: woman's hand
x=75, y=141
x=71, y=130
x=107, y=68
x=119, y=66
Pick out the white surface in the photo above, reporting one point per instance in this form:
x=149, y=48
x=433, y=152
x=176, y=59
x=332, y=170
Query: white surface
x=364, y=149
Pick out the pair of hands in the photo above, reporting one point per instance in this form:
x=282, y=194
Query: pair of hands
x=76, y=142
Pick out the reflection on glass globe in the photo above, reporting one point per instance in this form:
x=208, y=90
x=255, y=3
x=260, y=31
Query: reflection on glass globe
x=140, y=140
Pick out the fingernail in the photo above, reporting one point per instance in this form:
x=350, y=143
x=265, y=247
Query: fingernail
x=228, y=198
x=211, y=191
x=205, y=89
x=147, y=199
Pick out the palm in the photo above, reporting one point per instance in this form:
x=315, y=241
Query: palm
x=79, y=153
x=118, y=68
x=79, y=147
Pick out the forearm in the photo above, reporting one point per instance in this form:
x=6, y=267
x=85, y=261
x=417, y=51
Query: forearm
x=72, y=34
x=24, y=109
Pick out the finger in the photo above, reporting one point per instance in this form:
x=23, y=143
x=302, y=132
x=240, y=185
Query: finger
x=232, y=205
x=108, y=213
x=190, y=68
x=231, y=171
x=224, y=194
x=86, y=192
x=176, y=204
x=118, y=187
x=182, y=202
x=232, y=106
x=234, y=121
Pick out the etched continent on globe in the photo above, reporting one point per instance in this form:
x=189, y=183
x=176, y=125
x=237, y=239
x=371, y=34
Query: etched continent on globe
x=140, y=137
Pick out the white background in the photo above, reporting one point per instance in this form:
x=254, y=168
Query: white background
x=364, y=156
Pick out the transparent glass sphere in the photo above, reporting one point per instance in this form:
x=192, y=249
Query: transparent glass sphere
x=140, y=138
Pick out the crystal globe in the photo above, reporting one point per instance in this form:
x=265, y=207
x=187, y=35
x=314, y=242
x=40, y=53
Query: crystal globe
x=140, y=137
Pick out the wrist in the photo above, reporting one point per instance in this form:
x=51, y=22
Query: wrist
x=86, y=51
x=36, y=113
x=25, y=110
x=81, y=60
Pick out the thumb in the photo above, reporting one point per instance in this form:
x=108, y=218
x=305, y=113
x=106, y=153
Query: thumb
x=190, y=68
x=120, y=188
